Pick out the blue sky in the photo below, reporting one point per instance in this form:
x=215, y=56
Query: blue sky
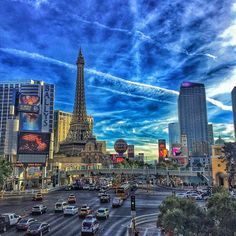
x=137, y=54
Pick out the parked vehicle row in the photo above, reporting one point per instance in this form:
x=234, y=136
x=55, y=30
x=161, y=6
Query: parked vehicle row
x=195, y=194
x=28, y=224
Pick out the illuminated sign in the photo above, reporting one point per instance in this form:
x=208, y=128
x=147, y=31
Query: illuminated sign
x=119, y=159
x=19, y=164
x=29, y=103
x=46, y=108
x=30, y=122
x=33, y=143
x=176, y=151
x=131, y=151
x=163, y=152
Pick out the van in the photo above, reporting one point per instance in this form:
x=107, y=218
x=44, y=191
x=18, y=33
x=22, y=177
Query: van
x=60, y=206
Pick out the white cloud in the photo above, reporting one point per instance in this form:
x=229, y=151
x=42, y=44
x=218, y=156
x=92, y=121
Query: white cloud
x=119, y=85
x=229, y=35
x=226, y=131
x=223, y=87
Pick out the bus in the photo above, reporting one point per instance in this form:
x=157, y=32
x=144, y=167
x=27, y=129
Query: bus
x=123, y=191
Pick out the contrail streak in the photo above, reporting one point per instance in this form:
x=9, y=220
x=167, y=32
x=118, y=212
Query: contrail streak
x=116, y=84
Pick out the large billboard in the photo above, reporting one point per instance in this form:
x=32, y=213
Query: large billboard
x=29, y=103
x=176, y=150
x=33, y=143
x=130, y=151
x=30, y=122
x=162, y=148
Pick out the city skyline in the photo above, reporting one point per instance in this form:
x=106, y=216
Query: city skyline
x=133, y=70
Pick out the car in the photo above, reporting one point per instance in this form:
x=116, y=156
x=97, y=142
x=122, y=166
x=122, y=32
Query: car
x=117, y=202
x=105, y=198
x=68, y=187
x=90, y=217
x=71, y=210
x=195, y=196
x=86, y=187
x=4, y=223
x=12, y=218
x=181, y=195
x=38, y=197
x=60, y=206
x=89, y=226
x=97, y=187
x=105, y=186
x=38, y=228
x=71, y=199
x=84, y=211
x=102, y=213
x=92, y=187
x=24, y=223
x=38, y=209
x=101, y=192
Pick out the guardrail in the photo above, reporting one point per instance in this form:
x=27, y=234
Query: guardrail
x=27, y=192
x=140, y=220
x=137, y=171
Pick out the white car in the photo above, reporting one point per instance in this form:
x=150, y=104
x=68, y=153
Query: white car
x=60, y=206
x=86, y=187
x=40, y=209
x=181, y=195
x=117, y=202
x=102, y=213
x=195, y=196
x=101, y=192
x=12, y=218
x=89, y=226
x=71, y=210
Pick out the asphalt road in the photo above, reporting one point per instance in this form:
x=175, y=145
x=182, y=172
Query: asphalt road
x=115, y=225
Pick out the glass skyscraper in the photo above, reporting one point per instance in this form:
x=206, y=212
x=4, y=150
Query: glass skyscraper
x=193, y=117
x=174, y=133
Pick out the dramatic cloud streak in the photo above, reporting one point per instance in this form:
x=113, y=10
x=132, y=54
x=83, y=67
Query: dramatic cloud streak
x=137, y=55
x=120, y=85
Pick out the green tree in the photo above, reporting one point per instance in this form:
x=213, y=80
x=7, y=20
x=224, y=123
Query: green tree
x=222, y=210
x=183, y=216
x=5, y=172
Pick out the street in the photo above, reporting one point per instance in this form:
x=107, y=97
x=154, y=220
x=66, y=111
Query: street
x=71, y=225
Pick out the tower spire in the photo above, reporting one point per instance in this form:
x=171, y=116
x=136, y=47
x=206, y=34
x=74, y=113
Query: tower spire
x=80, y=114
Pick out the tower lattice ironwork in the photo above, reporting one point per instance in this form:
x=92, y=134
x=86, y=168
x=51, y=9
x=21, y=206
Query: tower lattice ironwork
x=80, y=129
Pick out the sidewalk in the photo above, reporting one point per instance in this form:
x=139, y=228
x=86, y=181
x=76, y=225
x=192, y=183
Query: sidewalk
x=28, y=193
x=149, y=229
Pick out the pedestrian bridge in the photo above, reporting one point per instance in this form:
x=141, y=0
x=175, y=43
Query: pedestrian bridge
x=138, y=171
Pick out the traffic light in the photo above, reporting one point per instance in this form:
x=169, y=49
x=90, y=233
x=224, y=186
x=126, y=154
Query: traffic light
x=200, y=175
x=40, y=179
x=132, y=203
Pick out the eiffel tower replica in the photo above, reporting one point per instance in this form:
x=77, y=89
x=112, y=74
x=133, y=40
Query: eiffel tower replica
x=80, y=130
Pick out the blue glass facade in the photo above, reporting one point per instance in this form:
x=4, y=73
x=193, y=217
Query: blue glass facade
x=193, y=117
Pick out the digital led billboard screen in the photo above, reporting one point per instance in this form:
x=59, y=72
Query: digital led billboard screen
x=29, y=103
x=33, y=143
x=162, y=148
x=176, y=151
x=30, y=122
